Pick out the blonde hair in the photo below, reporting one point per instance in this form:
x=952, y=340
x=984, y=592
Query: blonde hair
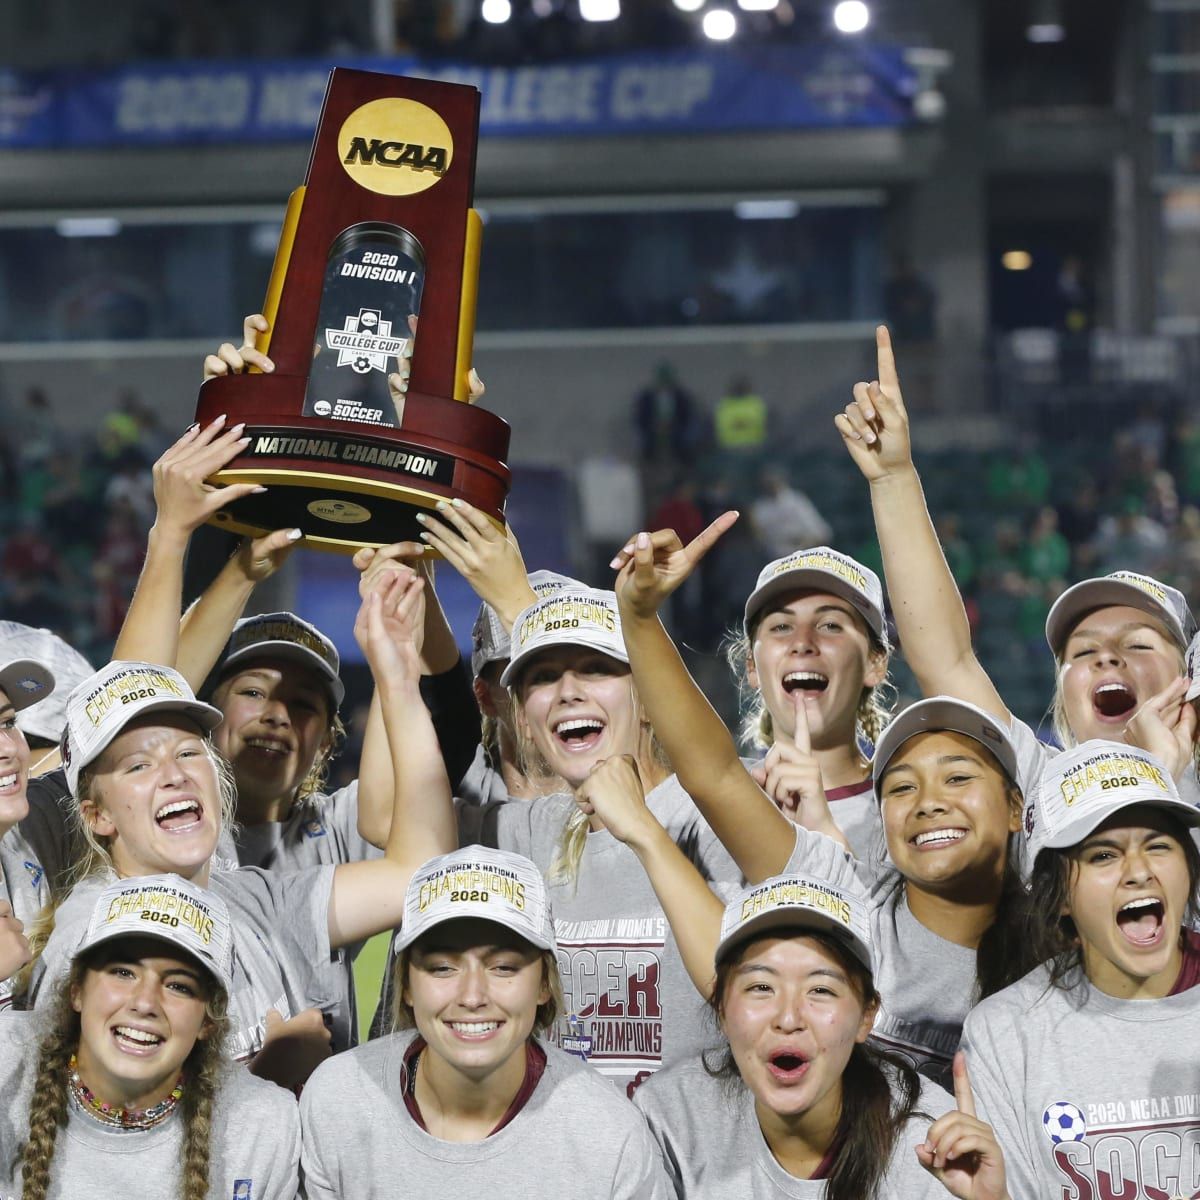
x=205, y=1066
x=1057, y=711
x=402, y=1016
x=757, y=729
x=96, y=856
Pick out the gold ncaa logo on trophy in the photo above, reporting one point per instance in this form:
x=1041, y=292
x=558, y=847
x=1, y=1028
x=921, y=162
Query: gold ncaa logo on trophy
x=381, y=235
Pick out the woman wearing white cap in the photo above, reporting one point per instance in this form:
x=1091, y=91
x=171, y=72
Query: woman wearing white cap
x=813, y=650
x=468, y=1084
x=153, y=796
x=1119, y=640
x=1086, y=1067
x=629, y=1004
x=122, y=1087
x=793, y=1102
x=945, y=905
x=23, y=886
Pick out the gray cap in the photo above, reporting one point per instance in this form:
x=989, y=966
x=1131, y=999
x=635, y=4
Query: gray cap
x=483, y=883
x=944, y=713
x=489, y=639
x=1125, y=588
x=1193, y=668
x=172, y=909
x=788, y=901
x=822, y=569
x=1084, y=786
x=104, y=703
x=44, y=718
x=287, y=636
x=25, y=683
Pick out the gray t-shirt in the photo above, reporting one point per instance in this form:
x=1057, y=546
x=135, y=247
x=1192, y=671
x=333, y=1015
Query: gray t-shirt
x=482, y=783
x=255, y=1146
x=714, y=1147
x=1090, y=1096
x=927, y=983
x=323, y=831
x=575, y=1137
x=280, y=943
x=630, y=1006
x=24, y=885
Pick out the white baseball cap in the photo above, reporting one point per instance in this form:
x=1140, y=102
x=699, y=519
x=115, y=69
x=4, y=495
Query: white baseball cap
x=939, y=713
x=25, y=682
x=477, y=881
x=44, y=718
x=1084, y=786
x=1125, y=588
x=798, y=900
x=571, y=616
x=287, y=636
x=821, y=569
x=104, y=703
x=1193, y=668
x=172, y=909
x=489, y=639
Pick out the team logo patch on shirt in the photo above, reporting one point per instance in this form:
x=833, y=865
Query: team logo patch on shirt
x=36, y=872
x=1063, y=1122
x=243, y=1189
x=314, y=828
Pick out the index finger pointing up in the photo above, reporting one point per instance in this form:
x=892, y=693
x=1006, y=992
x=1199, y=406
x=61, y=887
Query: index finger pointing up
x=963, y=1096
x=885, y=359
x=800, y=737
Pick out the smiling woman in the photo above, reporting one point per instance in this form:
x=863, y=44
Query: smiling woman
x=123, y=1087
x=1089, y=1051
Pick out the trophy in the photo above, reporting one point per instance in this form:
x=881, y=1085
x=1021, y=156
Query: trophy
x=380, y=238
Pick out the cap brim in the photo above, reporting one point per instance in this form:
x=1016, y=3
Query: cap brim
x=794, y=917
x=1087, y=823
x=569, y=638
x=117, y=934
x=811, y=580
x=474, y=912
x=1091, y=594
x=936, y=715
x=289, y=652
x=25, y=683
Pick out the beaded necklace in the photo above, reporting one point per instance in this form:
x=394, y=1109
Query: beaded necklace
x=122, y=1118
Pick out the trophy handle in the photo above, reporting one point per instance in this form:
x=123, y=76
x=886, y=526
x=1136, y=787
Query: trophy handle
x=283, y=254
x=466, y=306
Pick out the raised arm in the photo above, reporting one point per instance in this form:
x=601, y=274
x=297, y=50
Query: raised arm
x=368, y=897
x=614, y=792
x=929, y=612
x=758, y=836
x=150, y=632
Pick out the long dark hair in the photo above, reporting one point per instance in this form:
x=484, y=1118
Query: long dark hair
x=1051, y=937
x=49, y=1102
x=879, y=1090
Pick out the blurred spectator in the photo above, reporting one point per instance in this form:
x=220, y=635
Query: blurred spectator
x=1018, y=481
x=1130, y=541
x=1162, y=500
x=1079, y=516
x=1047, y=554
x=132, y=485
x=910, y=305
x=740, y=422
x=960, y=558
x=785, y=519
x=1075, y=318
x=664, y=415
x=1187, y=457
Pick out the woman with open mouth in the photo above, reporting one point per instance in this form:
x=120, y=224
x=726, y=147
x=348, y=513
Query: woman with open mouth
x=945, y=904
x=23, y=682
x=1119, y=640
x=468, y=1084
x=122, y=1086
x=153, y=796
x=793, y=1102
x=1086, y=1066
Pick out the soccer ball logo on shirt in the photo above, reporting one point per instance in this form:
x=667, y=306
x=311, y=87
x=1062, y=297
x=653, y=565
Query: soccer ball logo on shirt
x=1063, y=1122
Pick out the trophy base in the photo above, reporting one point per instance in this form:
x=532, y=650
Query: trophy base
x=347, y=484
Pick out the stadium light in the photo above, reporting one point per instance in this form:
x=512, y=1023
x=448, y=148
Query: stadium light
x=1016, y=260
x=758, y=5
x=496, y=12
x=1045, y=22
x=851, y=16
x=599, y=10
x=689, y=5
x=719, y=25
x=87, y=227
